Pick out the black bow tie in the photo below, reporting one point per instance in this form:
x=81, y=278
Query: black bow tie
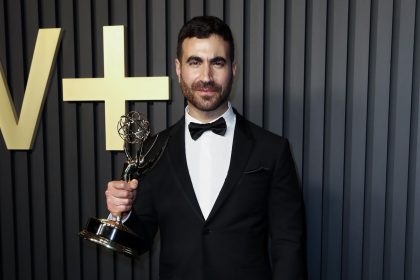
x=218, y=127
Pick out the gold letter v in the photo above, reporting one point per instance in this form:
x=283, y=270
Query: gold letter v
x=19, y=132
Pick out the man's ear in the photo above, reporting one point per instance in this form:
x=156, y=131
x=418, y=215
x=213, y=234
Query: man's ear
x=178, y=69
x=234, y=66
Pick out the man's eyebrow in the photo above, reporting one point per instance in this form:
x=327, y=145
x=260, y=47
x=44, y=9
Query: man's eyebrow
x=195, y=58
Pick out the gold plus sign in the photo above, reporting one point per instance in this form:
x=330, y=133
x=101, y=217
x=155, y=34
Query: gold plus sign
x=115, y=88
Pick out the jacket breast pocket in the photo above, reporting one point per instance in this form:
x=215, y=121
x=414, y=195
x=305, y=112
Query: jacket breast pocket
x=256, y=178
x=257, y=170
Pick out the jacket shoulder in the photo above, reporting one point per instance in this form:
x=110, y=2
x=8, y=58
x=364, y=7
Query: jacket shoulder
x=259, y=133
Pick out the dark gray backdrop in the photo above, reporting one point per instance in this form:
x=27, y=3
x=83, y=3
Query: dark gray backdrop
x=339, y=78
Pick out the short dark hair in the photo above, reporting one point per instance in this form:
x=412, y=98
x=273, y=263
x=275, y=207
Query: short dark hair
x=203, y=27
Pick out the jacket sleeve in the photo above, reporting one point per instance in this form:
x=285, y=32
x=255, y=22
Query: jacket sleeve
x=143, y=219
x=286, y=220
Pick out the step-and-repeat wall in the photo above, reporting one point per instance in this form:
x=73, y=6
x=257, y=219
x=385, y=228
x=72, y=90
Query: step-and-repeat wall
x=339, y=78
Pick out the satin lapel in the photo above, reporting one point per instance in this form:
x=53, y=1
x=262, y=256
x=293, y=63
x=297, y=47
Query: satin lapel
x=178, y=165
x=241, y=150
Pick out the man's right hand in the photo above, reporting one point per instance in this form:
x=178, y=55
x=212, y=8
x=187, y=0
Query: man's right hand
x=120, y=196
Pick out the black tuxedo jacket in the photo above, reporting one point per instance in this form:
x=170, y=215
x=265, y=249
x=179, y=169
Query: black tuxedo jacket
x=255, y=230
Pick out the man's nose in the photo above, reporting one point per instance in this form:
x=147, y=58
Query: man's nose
x=206, y=73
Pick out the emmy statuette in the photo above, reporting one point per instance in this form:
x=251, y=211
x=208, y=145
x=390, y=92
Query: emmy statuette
x=134, y=129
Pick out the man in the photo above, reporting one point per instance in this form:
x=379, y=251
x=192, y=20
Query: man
x=227, y=206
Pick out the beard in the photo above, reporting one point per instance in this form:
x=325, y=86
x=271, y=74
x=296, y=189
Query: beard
x=205, y=103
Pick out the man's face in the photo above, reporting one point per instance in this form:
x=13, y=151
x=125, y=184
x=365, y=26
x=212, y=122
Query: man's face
x=205, y=74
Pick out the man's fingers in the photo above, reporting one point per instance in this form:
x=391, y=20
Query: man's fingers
x=119, y=202
x=119, y=205
x=121, y=193
x=133, y=184
x=115, y=210
x=118, y=185
x=122, y=189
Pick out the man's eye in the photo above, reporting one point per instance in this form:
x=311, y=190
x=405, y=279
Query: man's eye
x=193, y=63
x=219, y=64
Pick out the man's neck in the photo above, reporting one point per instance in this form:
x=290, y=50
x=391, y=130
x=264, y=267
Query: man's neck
x=207, y=116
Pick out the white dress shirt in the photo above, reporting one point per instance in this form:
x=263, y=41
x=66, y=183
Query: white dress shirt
x=208, y=160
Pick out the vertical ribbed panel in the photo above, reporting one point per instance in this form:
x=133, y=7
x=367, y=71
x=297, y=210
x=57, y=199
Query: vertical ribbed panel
x=339, y=79
x=401, y=91
x=413, y=207
x=355, y=144
x=313, y=155
x=334, y=142
x=377, y=135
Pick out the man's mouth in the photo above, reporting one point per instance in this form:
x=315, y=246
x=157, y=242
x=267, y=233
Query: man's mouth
x=207, y=89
